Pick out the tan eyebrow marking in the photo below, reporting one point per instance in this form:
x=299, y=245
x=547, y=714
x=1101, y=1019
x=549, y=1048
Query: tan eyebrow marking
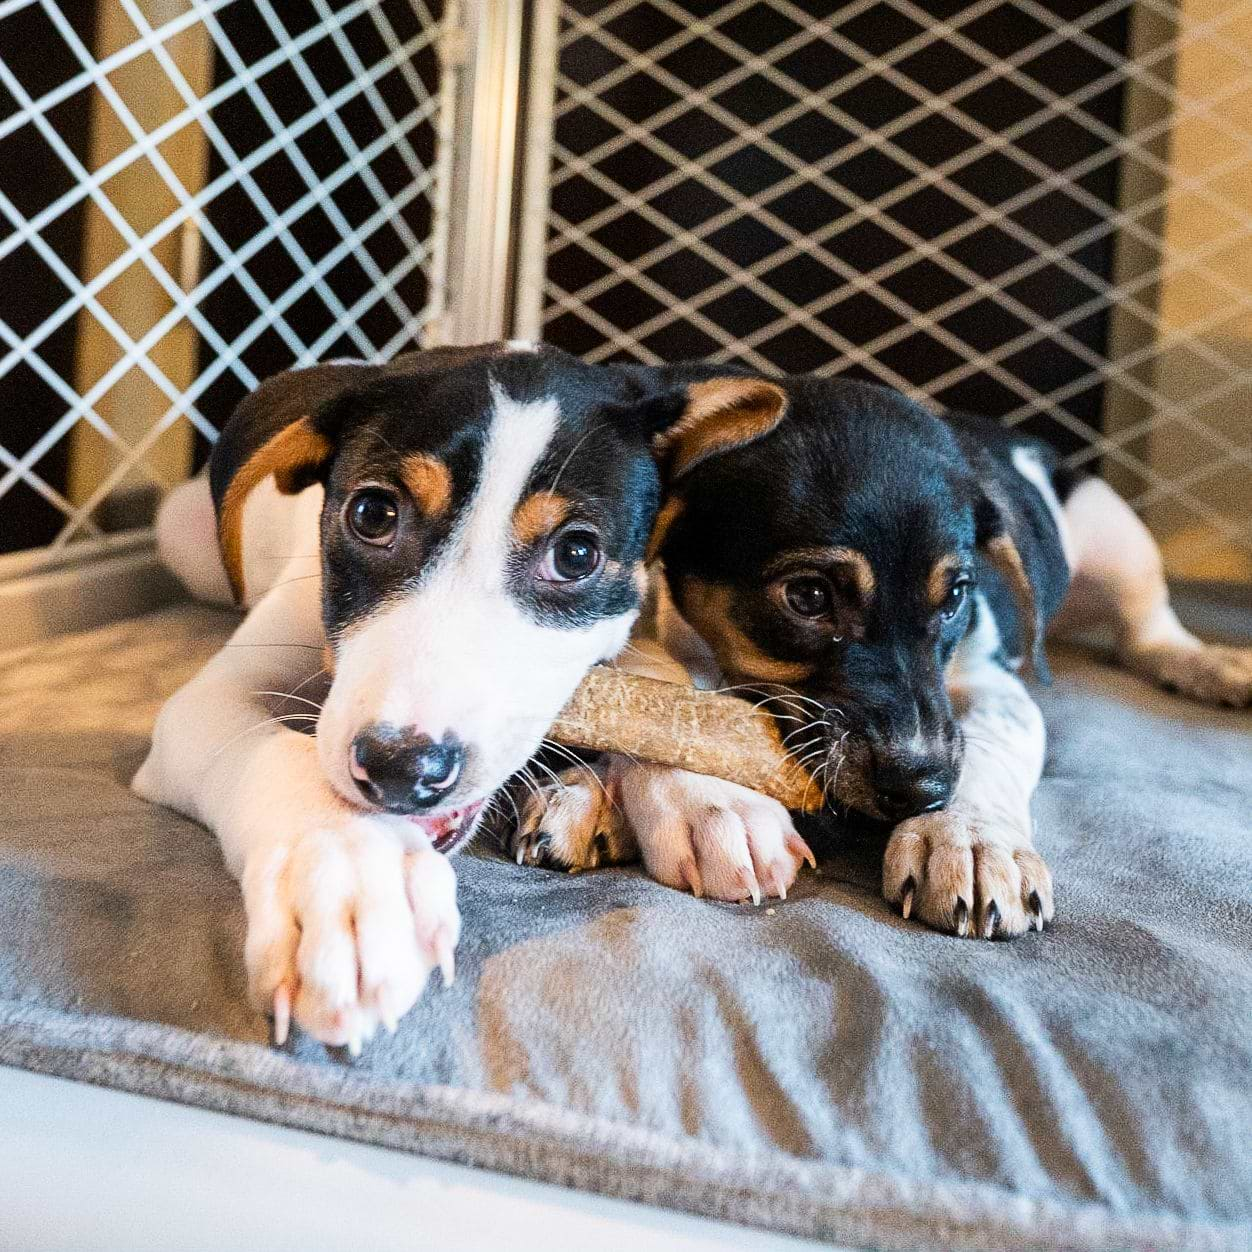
x=707, y=607
x=939, y=583
x=538, y=515
x=429, y=482
x=856, y=562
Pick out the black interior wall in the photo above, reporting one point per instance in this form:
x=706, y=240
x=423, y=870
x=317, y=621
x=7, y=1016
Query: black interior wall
x=817, y=67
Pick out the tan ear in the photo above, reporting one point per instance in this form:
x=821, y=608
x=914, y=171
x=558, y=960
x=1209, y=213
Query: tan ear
x=294, y=456
x=721, y=414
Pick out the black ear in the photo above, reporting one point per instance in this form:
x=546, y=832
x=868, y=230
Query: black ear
x=1004, y=541
x=284, y=429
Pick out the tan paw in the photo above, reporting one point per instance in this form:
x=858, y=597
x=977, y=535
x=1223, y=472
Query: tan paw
x=573, y=824
x=1209, y=672
x=711, y=837
x=959, y=874
x=345, y=923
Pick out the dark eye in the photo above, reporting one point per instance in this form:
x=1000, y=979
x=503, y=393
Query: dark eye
x=572, y=555
x=956, y=597
x=373, y=516
x=807, y=597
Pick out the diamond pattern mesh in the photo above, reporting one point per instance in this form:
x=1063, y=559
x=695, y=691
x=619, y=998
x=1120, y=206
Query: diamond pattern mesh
x=1039, y=212
x=196, y=193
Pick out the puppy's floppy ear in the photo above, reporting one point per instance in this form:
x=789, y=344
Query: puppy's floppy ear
x=719, y=414
x=690, y=422
x=285, y=429
x=995, y=532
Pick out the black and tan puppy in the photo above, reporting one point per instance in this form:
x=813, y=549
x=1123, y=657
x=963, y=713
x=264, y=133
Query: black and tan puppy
x=884, y=577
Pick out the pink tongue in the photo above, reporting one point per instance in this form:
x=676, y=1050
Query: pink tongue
x=437, y=825
x=442, y=827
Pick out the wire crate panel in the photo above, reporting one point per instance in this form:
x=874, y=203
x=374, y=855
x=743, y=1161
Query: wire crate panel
x=196, y=195
x=1038, y=212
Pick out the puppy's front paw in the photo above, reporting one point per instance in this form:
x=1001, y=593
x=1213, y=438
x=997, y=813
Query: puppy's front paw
x=1208, y=672
x=573, y=823
x=345, y=924
x=711, y=837
x=957, y=873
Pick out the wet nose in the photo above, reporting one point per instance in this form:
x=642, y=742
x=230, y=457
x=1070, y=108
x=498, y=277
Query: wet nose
x=404, y=771
x=908, y=785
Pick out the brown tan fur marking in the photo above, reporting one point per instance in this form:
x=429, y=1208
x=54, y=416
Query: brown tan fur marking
x=706, y=606
x=289, y=456
x=721, y=413
x=429, y=482
x=539, y=515
x=855, y=562
x=669, y=513
x=1003, y=554
x=939, y=583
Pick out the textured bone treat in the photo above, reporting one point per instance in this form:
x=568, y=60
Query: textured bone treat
x=670, y=724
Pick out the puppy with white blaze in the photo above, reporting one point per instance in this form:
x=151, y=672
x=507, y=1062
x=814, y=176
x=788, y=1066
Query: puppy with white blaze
x=432, y=554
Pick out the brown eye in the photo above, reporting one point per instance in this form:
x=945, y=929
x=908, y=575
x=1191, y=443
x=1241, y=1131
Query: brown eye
x=373, y=516
x=808, y=597
x=956, y=598
x=572, y=555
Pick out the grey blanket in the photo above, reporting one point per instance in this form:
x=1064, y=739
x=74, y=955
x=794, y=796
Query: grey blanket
x=816, y=1066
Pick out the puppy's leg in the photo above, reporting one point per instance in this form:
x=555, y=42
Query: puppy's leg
x=971, y=869
x=1118, y=578
x=347, y=912
x=573, y=820
x=710, y=837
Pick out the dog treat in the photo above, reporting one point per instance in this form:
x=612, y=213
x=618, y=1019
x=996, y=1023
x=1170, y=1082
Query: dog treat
x=671, y=724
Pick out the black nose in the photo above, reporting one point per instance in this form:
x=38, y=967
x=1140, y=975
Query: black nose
x=403, y=771
x=909, y=785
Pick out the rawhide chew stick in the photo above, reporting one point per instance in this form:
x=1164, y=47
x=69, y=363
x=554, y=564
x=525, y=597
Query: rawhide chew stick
x=671, y=724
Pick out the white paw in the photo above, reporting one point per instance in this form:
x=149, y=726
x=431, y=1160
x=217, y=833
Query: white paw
x=1209, y=672
x=573, y=823
x=711, y=837
x=960, y=874
x=345, y=923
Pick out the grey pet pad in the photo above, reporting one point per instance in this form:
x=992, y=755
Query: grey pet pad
x=816, y=1066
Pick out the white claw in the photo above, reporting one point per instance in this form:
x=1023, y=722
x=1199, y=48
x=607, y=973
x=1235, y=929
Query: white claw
x=521, y=851
x=782, y=890
x=282, y=1014
x=354, y=1042
x=906, y=906
x=447, y=962
x=798, y=847
x=388, y=1019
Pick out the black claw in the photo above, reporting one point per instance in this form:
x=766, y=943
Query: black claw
x=962, y=916
x=600, y=845
x=540, y=842
x=991, y=921
x=1036, y=907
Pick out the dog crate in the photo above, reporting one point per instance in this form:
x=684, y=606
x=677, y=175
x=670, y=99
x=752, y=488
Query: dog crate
x=1037, y=211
